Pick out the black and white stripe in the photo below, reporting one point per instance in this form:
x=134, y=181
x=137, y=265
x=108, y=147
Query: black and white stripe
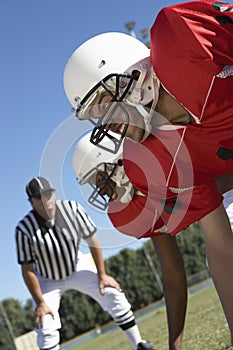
x=53, y=250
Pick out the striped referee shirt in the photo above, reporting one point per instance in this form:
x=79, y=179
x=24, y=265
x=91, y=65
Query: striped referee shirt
x=53, y=248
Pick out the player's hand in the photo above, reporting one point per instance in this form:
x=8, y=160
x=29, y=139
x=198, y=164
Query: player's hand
x=108, y=281
x=41, y=310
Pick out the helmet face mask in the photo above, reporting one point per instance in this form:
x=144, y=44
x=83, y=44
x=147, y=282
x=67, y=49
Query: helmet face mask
x=97, y=168
x=98, y=200
x=100, y=180
x=115, y=87
x=104, y=189
x=100, y=131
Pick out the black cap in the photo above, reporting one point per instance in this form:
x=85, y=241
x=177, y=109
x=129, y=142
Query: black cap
x=37, y=186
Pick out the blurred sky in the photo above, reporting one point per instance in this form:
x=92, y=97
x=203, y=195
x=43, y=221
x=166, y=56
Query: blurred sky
x=38, y=132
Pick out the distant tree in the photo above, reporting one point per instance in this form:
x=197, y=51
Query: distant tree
x=5, y=338
x=29, y=316
x=12, y=322
x=79, y=314
x=192, y=246
x=131, y=269
x=16, y=315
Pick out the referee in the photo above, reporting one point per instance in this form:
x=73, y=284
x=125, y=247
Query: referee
x=47, y=242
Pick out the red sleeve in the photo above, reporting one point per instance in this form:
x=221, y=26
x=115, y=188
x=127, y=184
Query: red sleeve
x=197, y=28
x=190, y=43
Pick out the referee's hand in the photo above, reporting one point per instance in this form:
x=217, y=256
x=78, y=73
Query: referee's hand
x=108, y=281
x=41, y=310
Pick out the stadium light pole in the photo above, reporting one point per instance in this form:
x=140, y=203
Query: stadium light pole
x=143, y=33
x=130, y=27
x=153, y=268
x=8, y=323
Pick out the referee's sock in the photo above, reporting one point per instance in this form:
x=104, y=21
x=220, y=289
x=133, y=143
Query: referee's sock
x=56, y=347
x=133, y=335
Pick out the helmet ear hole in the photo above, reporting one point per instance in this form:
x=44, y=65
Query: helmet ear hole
x=135, y=74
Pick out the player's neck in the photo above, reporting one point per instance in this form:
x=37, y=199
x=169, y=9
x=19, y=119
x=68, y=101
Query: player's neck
x=169, y=108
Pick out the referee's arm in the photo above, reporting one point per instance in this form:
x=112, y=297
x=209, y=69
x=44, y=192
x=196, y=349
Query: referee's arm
x=33, y=286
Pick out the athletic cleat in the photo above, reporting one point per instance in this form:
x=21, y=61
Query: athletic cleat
x=145, y=345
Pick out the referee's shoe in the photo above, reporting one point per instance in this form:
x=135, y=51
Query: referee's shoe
x=145, y=345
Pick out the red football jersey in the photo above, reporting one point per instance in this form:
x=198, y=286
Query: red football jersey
x=175, y=168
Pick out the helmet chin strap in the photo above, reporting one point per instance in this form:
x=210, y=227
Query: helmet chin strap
x=142, y=110
x=147, y=119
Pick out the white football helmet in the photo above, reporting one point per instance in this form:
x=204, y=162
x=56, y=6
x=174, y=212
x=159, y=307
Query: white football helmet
x=87, y=161
x=110, y=63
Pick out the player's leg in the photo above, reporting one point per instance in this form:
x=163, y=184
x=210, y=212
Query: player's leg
x=219, y=251
x=113, y=301
x=174, y=286
x=48, y=337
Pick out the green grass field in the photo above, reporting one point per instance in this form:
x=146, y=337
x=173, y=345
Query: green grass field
x=206, y=328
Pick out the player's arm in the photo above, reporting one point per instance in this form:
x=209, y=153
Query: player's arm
x=96, y=252
x=195, y=24
x=33, y=286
